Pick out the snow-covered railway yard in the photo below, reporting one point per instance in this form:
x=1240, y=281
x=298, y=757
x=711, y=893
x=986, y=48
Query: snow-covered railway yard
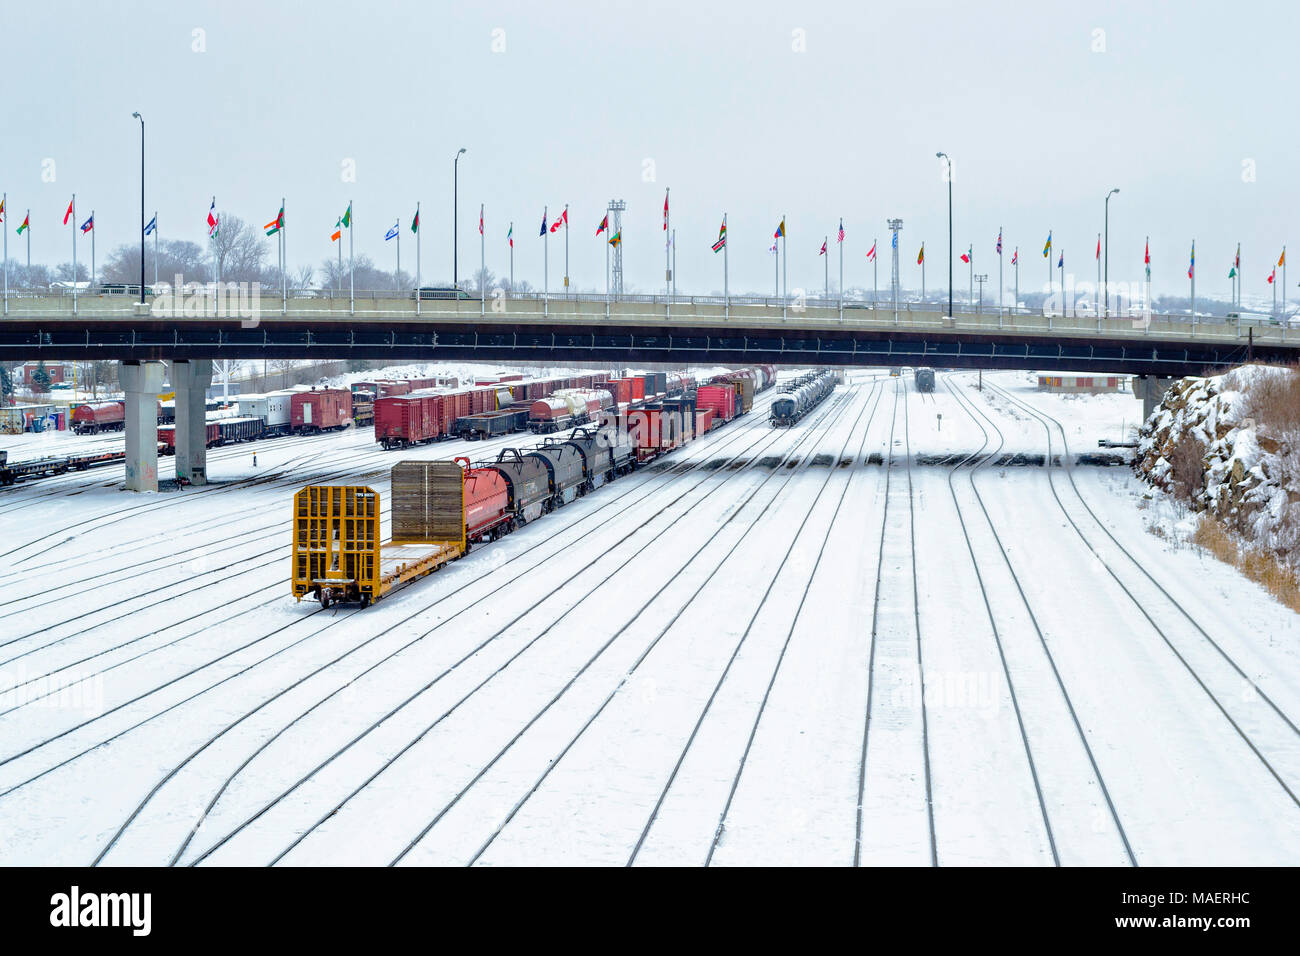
x=716, y=659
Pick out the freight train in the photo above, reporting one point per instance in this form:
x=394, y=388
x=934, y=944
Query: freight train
x=925, y=380
x=441, y=508
x=801, y=396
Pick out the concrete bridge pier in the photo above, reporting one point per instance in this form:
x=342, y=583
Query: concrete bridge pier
x=190, y=380
x=1150, y=389
x=142, y=381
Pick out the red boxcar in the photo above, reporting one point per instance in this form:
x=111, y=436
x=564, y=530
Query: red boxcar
x=98, y=417
x=720, y=398
x=321, y=409
x=404, y=420
x=703, y=420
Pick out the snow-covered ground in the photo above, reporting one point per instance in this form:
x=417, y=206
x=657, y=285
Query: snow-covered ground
x=716, y=660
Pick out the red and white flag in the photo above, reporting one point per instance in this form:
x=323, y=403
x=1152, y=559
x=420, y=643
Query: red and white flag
x=68, y=215
x=561, y=220
x=823, y=251
x=840, y=238
x=1015, y=256
x=212, y=218
x=665, y=211
x=480, y=219
x=1099, y=247
x=871, y=253
x=1272, y=275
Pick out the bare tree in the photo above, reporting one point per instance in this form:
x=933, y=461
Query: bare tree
x=174, y=257
x=240, y=251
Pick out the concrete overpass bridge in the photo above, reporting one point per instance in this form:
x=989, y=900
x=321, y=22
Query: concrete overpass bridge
x=191, y=330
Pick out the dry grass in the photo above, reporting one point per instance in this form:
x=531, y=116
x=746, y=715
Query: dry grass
x=1260, y=566
x=1274, y=401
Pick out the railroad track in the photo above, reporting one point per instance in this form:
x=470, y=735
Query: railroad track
x=1288, y=730
x=782, y=567
x=762, y=441
x=972, y=411
x=629, y=674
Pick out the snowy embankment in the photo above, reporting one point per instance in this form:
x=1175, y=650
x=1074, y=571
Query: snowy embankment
x=1228, y=448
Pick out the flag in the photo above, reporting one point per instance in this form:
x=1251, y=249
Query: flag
x=1281, y=260
x=840, y=237
x=1015, y=256
x=966, y=256
x=871, y=253
x=920, y=256
x=615, y=239
x=1061, y=264
x=773, y=249
x=1047, y=249
x=1272, y=275
x=510, y=235
x=1098, y=247
x=562, y=220
x=148, y=230
x=604, y=224
x=722, y=237
x=2, y=210
x=1237, y=262
x=338, y=230
x=543, y=232
x=394, y=232
x=27, y=222
x=1232, y=272
x=780, y=230
x=1147, y=258
x=999, y=242
x=1191, y=266
x=213, y=222
x=274, y=225
x=665, y=210
x=88, y=225
x=346, y=220
x=415, y=222
x=67, y=215
x=823, y=249
x=480, y=219
x=894, y=243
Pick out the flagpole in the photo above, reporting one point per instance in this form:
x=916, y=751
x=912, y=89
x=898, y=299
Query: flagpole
x=785, y=266
x=398, y=278
x=1099, y=289
x=4, y=203
x=566, y=248
x=972, y=274
x=923, y=275
x=28, y=230
x=546, y=262
x=1191, y=274
x=216, y=260
x=668, y=269
x=74, y=255
x=776, y=270
x=1062, y=261
x=417, y=257
x=1049, y=273
x=92, y=250
x=482, y=259
x=606, y=266
x=1001, y=296
x=284, y=260
x=352, y=271
x=674, y=260
x=155, y=250
x=841, y=242
x=726, y=296
x=826, y=266
x=1283, y=275
x=875, y=275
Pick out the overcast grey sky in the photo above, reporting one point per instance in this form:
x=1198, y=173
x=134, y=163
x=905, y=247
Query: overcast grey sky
x=715, y=95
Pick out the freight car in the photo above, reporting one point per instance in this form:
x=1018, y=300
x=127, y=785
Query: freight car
x=94, y=417
x=321, y=409
x=925, y=380
x=565, y=471
x=800, y=397
x=491, y=424
x=528, y=483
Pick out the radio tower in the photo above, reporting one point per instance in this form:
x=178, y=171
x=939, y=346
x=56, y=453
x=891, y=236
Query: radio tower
x=616, y=207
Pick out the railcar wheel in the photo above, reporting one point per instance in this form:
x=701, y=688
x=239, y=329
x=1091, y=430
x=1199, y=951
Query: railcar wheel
x=324, y=597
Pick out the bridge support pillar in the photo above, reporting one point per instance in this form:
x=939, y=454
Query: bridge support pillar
x=191, y=380
x=142, y=381
x=1150, y=389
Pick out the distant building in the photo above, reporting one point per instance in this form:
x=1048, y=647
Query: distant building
x=58, y=372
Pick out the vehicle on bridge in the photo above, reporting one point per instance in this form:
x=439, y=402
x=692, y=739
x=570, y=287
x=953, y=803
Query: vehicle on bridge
x=440, y=292
x=924, y=378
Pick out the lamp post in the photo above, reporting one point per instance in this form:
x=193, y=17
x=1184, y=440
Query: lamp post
x=1106, y=281
x=141, y=119
x=455, y=212
x=948, y=161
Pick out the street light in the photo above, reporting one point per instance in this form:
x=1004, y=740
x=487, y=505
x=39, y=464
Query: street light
x=1106, y=281
x=141, y=119
x=944, y=157
x=455, y=215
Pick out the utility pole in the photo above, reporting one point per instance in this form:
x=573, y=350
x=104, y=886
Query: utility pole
x=981, y=279
x=895, y=226
x=948, y=176
x=1107, y=280
x=455, y=215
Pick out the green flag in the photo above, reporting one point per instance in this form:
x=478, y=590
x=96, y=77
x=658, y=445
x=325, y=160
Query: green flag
x=347, y=217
